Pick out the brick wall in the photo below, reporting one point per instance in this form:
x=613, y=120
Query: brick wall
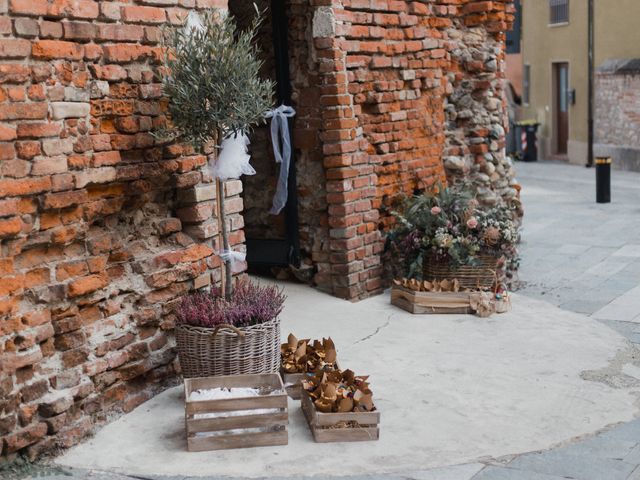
x=617, y=113
x=404, y=84
x=102, y=227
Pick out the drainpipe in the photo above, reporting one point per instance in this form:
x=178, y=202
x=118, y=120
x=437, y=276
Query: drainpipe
x=591, y=84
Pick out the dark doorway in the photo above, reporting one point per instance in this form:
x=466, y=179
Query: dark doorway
x=272, y=240
x=561, y=95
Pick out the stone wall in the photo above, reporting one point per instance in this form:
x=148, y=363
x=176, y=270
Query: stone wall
x=404, y=85
x=617, y=113
x=102, y=227
x=475, y=107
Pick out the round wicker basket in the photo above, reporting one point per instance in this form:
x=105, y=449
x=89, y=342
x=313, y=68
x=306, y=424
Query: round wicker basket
x=482, y=275
x=227, y=350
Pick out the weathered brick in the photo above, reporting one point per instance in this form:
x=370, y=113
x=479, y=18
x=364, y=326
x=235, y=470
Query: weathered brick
x=88, y=284
x=65, y=199
x=27, y=111
x=13, y=48
x=25, y=437
x=10, y=227
x=26, y=27
x=84, y=9
x=55, y=405
x=136, y=14
x=120, y=33
x=79, y=30
x=61, y=110
x=28, y=149
x=34, y=8
x=37, y=130
x=55, y=49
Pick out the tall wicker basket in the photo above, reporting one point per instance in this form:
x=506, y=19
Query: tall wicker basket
x=227, y=350
x=481, y=275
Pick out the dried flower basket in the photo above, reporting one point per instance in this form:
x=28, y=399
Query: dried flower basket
x=228, y=350
x=340, y=427
x=256, y=421
x=481, y=276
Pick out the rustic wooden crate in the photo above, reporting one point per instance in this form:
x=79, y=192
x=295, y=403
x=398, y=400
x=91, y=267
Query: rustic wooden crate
x=431, y=302
x=326, y=427
x=221, y=429
x=292, y=382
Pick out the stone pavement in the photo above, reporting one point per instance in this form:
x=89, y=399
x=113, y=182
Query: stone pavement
x=584, y=258
x=579, y=255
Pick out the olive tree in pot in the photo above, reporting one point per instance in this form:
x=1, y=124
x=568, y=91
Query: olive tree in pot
x=211, y=79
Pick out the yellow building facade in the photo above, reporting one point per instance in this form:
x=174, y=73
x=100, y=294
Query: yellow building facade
x=556, y=65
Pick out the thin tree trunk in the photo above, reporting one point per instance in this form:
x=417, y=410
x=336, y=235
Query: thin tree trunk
x=228, y=274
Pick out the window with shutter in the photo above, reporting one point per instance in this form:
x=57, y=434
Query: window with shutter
x=558, y=11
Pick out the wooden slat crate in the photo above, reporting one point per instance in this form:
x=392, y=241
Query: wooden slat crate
x=431, y=302
x=221, y=432
x=292, y=382
x=339, y=427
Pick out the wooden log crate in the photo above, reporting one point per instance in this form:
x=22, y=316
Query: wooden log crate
x=236, y=422
x=431, y=302
x=340, y=427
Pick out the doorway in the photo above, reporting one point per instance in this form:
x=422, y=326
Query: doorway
x=272, y=240
x=561, y=107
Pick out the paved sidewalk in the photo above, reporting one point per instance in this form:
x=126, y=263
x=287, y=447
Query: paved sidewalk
x=579, y=255
x=583, y=257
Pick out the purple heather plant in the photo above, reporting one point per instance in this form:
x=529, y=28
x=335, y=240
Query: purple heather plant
x=251, y=304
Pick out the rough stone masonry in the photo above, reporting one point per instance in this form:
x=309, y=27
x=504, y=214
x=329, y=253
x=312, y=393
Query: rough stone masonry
x=103, y=227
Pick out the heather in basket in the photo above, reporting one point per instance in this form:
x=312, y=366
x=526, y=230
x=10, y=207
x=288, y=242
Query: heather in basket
x=250, y=304
x=449, y=227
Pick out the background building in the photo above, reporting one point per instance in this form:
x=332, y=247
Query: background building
x=555, y=66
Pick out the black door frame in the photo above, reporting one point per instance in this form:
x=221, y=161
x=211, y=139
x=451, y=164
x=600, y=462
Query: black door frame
x=270, y=252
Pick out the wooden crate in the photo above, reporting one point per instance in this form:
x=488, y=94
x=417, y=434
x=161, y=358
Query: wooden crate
x=220, y=432
x=326, y=427
x=431, y=302
x=292, y=382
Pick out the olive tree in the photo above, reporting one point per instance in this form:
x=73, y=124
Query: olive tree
x=211, y=79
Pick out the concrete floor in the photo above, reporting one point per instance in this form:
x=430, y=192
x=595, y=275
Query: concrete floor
x=451, y=389
x=469, y=391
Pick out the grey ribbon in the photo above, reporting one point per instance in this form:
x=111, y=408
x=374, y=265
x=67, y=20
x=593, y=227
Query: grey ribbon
x=281, y=141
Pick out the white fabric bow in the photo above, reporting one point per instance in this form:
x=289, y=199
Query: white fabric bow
x=282, y=150
x=232, y=257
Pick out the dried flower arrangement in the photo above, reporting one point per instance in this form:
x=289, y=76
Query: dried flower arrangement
x=339, y=392
x=427, y=286
x=450, y=225
x=250, y=304
x=301, y=356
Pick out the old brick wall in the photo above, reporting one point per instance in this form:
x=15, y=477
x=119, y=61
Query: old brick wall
x=617, y=113
x=404, y=84
x=102, y=226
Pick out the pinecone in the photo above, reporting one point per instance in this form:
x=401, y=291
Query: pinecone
x=491, y=236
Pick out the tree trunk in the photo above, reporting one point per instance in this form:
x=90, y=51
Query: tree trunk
x=228, y=274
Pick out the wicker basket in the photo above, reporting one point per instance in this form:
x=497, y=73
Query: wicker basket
x=482, y=275
x=227, y=350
